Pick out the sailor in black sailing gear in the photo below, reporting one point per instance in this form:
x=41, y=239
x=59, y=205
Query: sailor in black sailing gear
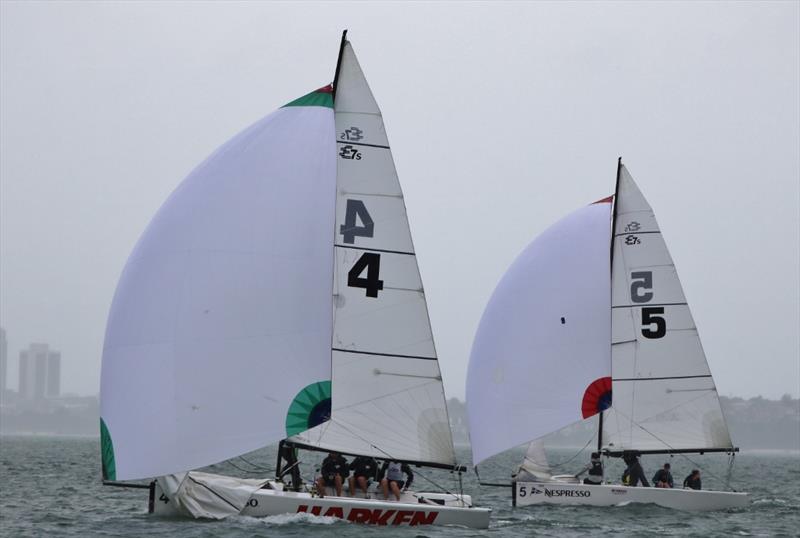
x=334, y=471
x=633, y=473
x=595, y=468
x=663, y=478
x=364, y=471
x=693, y=480
x=392, y=478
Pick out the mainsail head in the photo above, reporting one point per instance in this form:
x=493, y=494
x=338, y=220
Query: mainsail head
x=541, y=357
x=664, y=395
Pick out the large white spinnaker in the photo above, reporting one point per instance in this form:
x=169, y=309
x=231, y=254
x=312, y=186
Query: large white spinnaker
x=541, y=358
x=664, y=395
x=388, y=399
x=221, y=321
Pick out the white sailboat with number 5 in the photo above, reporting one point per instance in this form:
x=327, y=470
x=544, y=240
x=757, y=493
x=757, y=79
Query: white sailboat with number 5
x=593, y=308
x=276, y=297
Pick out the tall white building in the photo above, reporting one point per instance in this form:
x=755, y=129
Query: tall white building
x=39, y=373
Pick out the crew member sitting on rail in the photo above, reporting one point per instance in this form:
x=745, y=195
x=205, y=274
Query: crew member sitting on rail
x=334, y=471
x=595, y=469
x=693, y=480
x=663, y=478
x=634, y=472
x=364, y=470
x=392, y=478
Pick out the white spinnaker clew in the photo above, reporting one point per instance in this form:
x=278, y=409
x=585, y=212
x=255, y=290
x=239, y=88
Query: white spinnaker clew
x=388, y=399
x=544, y=338
x=663, y=392
x=228, y=287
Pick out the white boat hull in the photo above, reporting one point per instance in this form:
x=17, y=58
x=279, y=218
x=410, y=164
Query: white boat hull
x=530, y=493
x=413, y=509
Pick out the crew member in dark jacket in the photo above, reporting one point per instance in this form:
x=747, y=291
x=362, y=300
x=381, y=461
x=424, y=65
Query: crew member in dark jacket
x=334, y=471
x=693, y=480
x=634, y=472
x=392, y=478
x=364, y=470
x=595, y=469
x=663, y=478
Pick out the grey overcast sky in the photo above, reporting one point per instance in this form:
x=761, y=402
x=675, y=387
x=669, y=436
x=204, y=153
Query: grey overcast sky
x=502, y=118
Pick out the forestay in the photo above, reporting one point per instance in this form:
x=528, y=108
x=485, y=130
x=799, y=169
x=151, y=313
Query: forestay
x=228, y=287
x=664, y=395
x=541, y=358
x=388, y=399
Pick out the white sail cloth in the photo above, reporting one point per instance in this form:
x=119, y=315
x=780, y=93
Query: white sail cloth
x=544, y=336
x=388, y=399
x=663, y=392
x=208, y=496
x=535, y=465
x=229, y=285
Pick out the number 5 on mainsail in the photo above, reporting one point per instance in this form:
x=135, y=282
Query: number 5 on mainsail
x=593, y=308
x=276, y=297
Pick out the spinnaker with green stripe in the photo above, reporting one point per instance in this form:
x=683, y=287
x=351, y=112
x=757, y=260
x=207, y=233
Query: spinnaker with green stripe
x=276, y=294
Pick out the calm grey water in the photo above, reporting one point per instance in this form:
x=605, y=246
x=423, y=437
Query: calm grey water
x=50, y=486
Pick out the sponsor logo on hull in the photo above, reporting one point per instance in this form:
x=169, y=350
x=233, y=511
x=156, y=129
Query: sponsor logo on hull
x=374, y=516
x=553, y=492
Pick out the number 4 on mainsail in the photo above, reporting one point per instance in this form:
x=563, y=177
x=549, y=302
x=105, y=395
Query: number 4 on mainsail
x=276, y=297
x=556, y=341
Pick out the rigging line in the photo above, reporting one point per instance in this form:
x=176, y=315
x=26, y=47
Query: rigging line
x=563, y=463
x=681, y=404
x=673, y=448
x=390, y=457
x=259, y=467
x=246, y=471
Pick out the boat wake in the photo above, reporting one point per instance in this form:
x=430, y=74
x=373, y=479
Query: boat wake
x=289, y=519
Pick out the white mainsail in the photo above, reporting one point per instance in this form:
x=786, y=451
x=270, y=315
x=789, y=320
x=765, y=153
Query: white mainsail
x=228, y=287
x=388, y=399
x=541, y=357
x=664, y=395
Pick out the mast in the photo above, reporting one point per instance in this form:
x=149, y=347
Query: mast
x=339, y=63
x=611, y=258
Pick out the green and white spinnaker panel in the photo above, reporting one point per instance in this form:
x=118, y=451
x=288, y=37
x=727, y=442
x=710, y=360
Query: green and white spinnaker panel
x=222, y=315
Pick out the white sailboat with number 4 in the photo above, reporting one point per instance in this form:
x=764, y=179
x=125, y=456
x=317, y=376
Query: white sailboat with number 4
x=276, y=297
x=593, y=307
